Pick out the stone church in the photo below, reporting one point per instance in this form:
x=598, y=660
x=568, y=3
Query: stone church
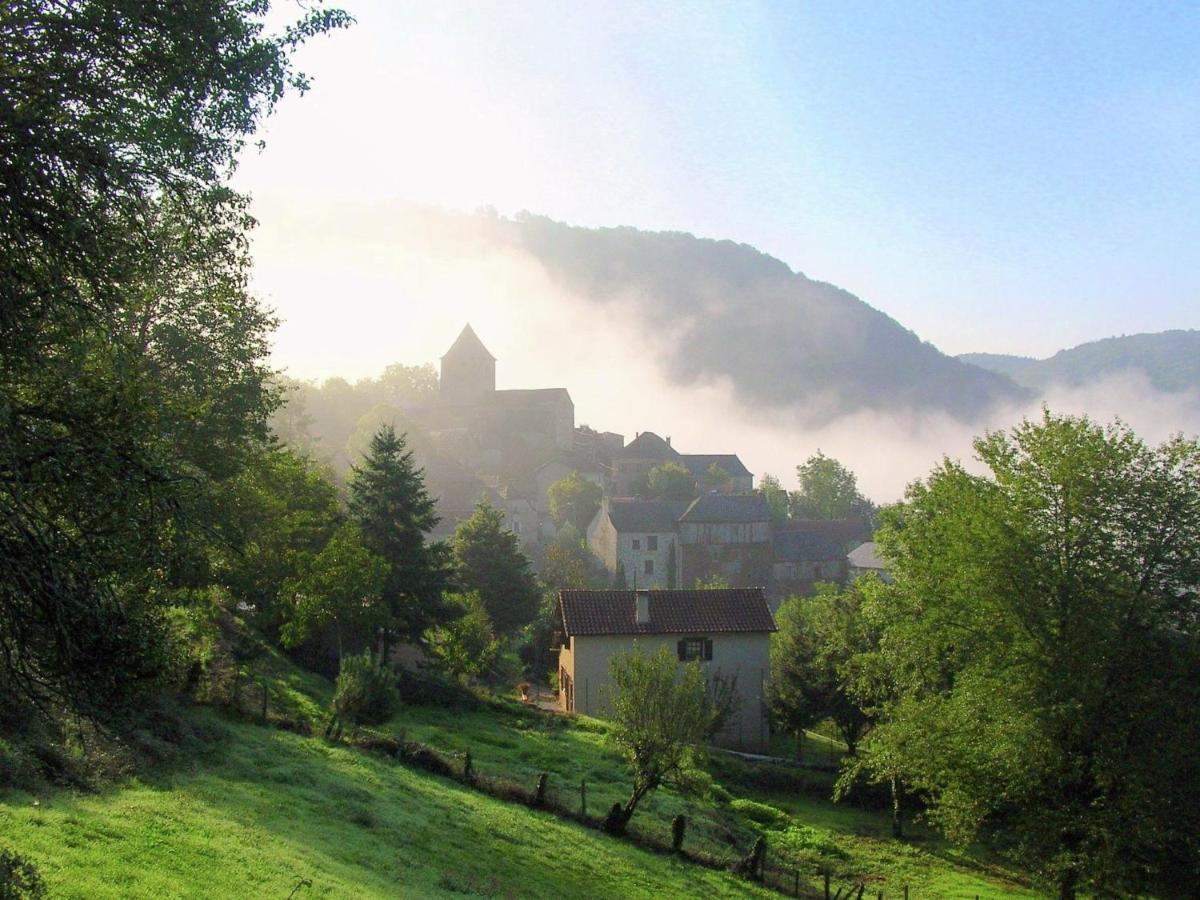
x=493, y=433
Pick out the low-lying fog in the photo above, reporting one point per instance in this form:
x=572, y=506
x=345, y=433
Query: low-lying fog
x=365, y=286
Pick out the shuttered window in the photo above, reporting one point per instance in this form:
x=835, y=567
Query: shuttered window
x=694, y=648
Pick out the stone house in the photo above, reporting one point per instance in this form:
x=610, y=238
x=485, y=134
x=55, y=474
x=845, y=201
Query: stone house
x=640, y=536
x=728, y=631
x=726, y=536
x=634, y=462
x=700, y=464
x=802, y=558
x=648, y=450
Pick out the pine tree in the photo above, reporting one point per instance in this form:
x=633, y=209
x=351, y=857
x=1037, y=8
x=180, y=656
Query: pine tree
x=389, y=501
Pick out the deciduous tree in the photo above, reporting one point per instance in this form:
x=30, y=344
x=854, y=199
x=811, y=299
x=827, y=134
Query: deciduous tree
x=661, y=714
x=1042, y=646
x=828, y=490
x=574, y=499
x=671, y=481
x=133, y=373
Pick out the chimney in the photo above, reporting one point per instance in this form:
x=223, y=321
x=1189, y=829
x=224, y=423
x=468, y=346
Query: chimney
x=668, y=440
x=643, y=607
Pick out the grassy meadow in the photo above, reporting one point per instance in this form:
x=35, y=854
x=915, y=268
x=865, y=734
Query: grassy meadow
x=254, y=811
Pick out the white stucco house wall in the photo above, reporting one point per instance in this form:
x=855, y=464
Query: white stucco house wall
x=727, y=631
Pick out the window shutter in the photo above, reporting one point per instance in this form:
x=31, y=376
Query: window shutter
x=708, y=648
x=682, y=648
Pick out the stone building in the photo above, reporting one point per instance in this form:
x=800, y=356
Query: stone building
x=639, y=536
x=494, y=433
x=726, y=536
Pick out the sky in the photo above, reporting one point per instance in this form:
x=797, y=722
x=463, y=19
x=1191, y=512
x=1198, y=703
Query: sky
x=1001, y=177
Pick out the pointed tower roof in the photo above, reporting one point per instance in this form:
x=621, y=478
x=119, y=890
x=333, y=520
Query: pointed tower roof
x=468, y=344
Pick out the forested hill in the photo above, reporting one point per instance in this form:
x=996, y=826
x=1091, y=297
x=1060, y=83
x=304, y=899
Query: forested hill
x=722, y=310
x=1170, y=359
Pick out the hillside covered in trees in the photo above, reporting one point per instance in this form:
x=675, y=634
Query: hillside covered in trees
x=720, y=310
x=1169, y=359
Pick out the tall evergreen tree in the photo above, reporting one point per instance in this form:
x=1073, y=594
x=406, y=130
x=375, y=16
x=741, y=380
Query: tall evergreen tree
x=490, y=562
x=389, y=501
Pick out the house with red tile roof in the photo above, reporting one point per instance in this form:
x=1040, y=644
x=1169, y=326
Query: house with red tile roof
x=727, y=631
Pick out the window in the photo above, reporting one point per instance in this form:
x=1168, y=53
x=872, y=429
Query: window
x=695, y=648
x=637, y=544
x=652, y=542
x=649, y=567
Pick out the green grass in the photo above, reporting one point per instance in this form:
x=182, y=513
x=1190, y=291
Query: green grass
x=256, y=810
x=266, y=809
x=517, y=742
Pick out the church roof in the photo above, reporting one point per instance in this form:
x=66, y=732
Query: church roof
x=468, y=344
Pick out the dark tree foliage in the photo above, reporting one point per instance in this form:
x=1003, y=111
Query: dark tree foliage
x=490, y=562
x=394, y=511
x=812, y=677
x=131, y=357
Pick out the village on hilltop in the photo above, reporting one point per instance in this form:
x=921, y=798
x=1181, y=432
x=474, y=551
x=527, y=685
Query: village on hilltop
x=510, y=446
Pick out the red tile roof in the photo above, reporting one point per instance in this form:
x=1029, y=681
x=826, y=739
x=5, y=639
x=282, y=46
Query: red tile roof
x=671, y=612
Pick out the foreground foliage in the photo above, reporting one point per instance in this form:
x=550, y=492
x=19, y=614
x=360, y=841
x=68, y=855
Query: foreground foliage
x=1039, y=662
x=132, y=377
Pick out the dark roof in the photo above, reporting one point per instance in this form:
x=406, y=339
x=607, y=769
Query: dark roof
x=671, y=612
x=643, y=515
x=698, y=464
x=726, y=508
x=844, y=531
x=800, y=546
x=467, y=344
x=648, y=445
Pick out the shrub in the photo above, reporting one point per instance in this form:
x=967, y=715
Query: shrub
x=19, y=878
x=761, y=813
x=366, y=691
x=17, y=767
x=466, y=646
x=428, y=689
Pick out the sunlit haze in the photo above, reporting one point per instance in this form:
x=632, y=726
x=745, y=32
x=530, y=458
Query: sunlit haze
x=1012, y=178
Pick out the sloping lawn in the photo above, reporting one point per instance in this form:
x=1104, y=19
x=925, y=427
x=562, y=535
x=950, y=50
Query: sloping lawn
x=803, y=828
x=267, y=810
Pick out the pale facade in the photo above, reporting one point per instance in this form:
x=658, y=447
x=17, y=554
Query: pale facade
x=733, y=643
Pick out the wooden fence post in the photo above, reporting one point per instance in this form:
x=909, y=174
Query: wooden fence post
x=540, y=797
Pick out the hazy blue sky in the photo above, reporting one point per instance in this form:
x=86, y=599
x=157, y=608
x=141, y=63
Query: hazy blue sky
x=1009, y=177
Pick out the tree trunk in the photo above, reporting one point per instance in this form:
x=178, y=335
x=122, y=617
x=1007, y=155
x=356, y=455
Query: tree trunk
x=897, y=810
x=1067, y=883
x=799, y=745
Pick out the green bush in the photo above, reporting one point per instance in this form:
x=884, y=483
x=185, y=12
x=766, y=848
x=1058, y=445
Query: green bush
x=759, y=812
x=18, y=768
x=366, y=691
x=19, y=878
